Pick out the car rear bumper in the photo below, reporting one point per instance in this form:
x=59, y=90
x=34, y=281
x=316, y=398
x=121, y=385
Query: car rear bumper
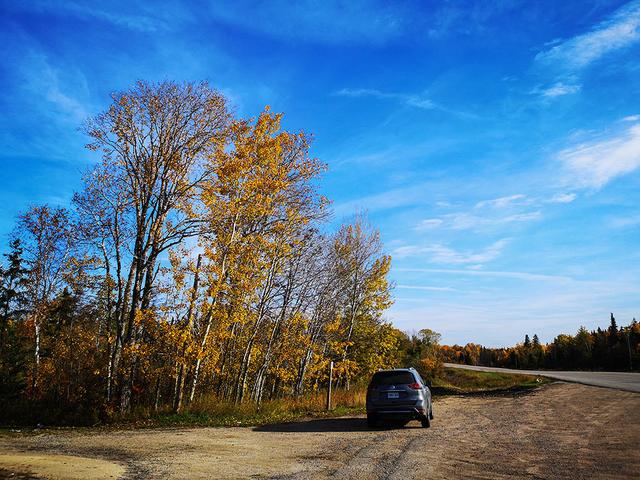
x=397, y=411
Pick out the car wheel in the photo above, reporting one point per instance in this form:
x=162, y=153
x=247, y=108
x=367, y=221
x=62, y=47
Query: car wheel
x=431, y=412
x=372, y=421
x=426, y=423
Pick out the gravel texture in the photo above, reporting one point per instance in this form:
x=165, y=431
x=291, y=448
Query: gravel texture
x=558, y=431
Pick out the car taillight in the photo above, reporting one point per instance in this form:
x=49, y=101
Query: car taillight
x=415, y=386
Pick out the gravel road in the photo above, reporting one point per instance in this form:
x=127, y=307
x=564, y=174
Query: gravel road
x=622, y=380
x=561, y=430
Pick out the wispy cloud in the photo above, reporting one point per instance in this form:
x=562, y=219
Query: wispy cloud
x=43, y=79
x=429, y=224
x=563, y=198
x=594, y=164
x=502, y=202
x=625, y=222
x=418, y=101
x=442, y=254
x=467, y=221
x=485, y=214
x=525, y=276
x=631, y=118
x=125, y=15
x=49, y=93
x=557, y=90
x=546, y=305
x=329, y=22
x=620, y=30
x=426, y=288
x=394, y=198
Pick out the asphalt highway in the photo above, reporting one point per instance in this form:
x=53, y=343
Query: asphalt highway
x=628, y=381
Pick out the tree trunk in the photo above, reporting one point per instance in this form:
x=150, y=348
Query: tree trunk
x=241, y=381
x=177, y=403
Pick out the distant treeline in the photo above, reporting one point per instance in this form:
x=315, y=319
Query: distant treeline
x=612, y=348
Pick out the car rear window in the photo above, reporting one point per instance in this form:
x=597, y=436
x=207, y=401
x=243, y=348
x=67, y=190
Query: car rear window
x=392, y=378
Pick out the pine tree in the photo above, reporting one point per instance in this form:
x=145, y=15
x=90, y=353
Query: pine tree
x=613, y=332
x=527, y=342
x=12, y=283
x=12, y=308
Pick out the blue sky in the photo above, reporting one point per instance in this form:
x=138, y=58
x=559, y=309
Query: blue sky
x=495, y=144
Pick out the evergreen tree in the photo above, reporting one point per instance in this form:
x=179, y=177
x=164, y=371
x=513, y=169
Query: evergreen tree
x=13, y=354
x=527, y=342
x=12, y=282
x=613, y=332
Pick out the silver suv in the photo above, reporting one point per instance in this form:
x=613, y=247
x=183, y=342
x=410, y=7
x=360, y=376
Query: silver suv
x=398, y=394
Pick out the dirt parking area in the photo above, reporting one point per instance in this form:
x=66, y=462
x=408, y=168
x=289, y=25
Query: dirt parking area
x=559, y=431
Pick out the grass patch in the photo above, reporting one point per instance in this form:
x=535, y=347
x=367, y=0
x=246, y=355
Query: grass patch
x=210, y=411
x=456, y=381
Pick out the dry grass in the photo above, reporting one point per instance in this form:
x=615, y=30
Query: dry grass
x=210, y=410
x=459, y=381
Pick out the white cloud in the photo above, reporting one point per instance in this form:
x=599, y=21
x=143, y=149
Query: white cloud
x=563, y=198
x=41, y=78
x=594, y=164
x=560, y=89
x=331, y=22
x=125, y=15
x=437, y=253
x=631, y=118
x=620, y=30
x=525, y=276
x=429, y=289
x=489, y=312
x=410, y=100
x=503, y=202
x=429, y=224
x=467, y=221
x=407, y=251
x=417, y=101
x=624, y=222
x=394, y=198
x=521, y=217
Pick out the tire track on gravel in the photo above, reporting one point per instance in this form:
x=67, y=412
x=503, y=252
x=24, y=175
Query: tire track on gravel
x=561, y=430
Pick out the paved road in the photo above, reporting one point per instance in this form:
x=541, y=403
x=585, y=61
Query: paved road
x=620, y=380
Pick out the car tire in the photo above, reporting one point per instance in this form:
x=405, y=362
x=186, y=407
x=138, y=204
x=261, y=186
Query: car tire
x=431, y=413
x=372, y=421
x=426, y=423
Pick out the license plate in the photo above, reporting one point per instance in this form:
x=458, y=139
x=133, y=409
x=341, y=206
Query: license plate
x=393, y=395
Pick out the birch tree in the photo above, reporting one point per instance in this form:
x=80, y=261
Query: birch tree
x=154, y=140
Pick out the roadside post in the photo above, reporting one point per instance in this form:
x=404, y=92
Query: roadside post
x=329, y=389
x=629, y=348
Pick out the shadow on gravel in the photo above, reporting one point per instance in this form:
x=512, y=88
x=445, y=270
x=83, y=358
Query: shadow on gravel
x=331, y=425
x=499, y=392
